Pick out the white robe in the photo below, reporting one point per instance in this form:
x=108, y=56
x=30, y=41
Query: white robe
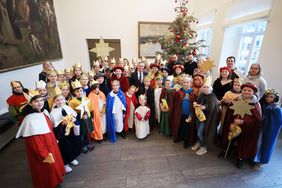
x=118, y=107
x=142, y=128
x=157, y=95
x=102, y=115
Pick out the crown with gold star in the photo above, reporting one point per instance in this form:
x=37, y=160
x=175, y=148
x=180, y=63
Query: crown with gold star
x=77, y=65
x=76, y=84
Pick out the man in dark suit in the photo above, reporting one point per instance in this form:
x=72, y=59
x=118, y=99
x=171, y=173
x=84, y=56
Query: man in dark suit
x=138, y=76
x=190, y=65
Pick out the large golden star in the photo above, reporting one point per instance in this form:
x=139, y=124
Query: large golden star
x=102, y=49
x=241, y=108
x=207, y=65
x=84, y=107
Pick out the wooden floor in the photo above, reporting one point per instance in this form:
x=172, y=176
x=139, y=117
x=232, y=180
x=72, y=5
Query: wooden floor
x=153, y=162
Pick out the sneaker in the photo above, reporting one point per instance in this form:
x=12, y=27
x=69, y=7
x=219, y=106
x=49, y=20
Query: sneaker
x=257, y=167
x=201, y=151
x=196, y=146
x=74, y=162
x=68, y=169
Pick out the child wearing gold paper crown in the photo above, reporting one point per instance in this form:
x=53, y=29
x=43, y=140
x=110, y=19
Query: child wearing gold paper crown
x=83, y=107
x=142, y=114
x=66, y=129
x=166, y=97
x=48, y=101
x=206, y=121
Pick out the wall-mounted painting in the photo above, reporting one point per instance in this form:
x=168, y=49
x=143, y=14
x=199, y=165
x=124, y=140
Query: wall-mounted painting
x=103, y=47
x=148, y=37
x=28, y=33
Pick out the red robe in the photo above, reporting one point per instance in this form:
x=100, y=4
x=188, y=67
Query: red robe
x=178, y=97
x=44, y=175
x=247, y=140
x=16, y=101
x=124, y=85
x=128, y=106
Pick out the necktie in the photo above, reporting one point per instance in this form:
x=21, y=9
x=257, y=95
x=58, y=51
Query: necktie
x=140, y=77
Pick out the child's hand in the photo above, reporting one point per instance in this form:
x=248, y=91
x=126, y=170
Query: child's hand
x=238, y=121
x=202, y=107
x=64, y=122
x=195, y=104
x=49, y=159
x=189, y=119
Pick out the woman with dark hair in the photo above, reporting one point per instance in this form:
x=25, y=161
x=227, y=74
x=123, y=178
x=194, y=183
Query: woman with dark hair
x=45, y=161
x=255, y=76
x=223, y=83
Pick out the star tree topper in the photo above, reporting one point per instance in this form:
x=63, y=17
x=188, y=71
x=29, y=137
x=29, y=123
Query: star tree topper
x=84, y=107
x=241, y=108
x=208, y=65
x=102, y=49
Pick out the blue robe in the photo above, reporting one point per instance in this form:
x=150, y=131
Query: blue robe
x=271, y=125
x=110, y=116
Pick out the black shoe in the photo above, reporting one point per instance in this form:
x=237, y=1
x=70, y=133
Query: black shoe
x=239, y=163
x=90, y=147
x=176, y=140
x=221, y=155
x=123, y=135
x=186, y=146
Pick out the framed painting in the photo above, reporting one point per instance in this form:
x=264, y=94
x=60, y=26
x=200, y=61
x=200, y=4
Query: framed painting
x=28, y=33
x=106, y=47
x=148, y=37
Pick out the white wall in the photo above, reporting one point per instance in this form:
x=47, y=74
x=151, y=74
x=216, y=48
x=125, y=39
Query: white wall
x=271, y=49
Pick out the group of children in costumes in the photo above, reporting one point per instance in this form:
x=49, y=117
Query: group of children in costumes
x=106, y=102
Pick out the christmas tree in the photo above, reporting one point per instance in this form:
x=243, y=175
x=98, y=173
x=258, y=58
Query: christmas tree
x=181, y=39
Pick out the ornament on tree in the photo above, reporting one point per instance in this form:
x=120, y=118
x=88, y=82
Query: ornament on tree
x=183, y=39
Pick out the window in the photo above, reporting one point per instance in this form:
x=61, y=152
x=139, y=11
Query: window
x=205, y=34
x=251, y=37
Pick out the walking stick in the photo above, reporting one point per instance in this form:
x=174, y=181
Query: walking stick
x=235, y=131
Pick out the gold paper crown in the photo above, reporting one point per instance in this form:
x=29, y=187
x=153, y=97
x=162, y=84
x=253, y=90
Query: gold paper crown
x=96, y=63
x=113, y=61
x=64, y=84
x=271, y=91
x=60, y=72
x=91, y=74
x=77, y=65
x=76, y=84
x=16, y=84
x=208, y=81
x=185, y=76
x=126, y=67
x=68, y=70
x=83, y=75
x=147, y=78
x=52, y=72
x=158, y=57
x=143, y=59
x=93, y=82
x=134, y=60
x=106, y=58
x=40, y=84
x=120, y=59
x=158, y=77
x=57, y=91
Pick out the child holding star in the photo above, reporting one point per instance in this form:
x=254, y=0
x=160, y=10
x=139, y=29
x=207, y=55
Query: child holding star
x=271, y=125
x=83, y=107
x=245, y=113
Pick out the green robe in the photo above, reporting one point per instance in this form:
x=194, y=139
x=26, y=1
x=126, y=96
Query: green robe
x=164, y=122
